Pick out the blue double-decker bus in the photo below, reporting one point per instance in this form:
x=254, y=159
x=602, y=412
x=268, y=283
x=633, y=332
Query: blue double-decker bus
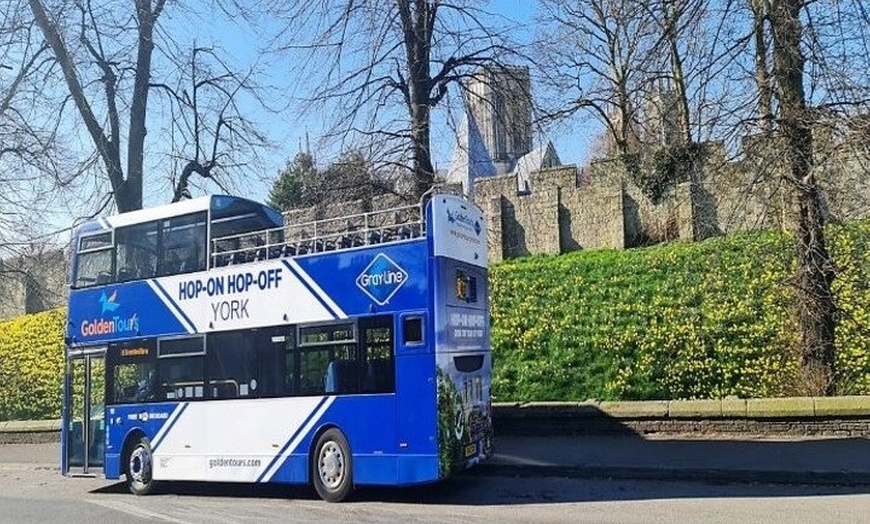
x=210, y=341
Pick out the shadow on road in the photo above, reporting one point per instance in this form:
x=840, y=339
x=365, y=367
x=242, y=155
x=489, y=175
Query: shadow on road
x=475, y=488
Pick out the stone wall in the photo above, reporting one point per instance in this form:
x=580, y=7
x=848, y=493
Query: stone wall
x=601, y=207
x=32, y=283
x=781, y=417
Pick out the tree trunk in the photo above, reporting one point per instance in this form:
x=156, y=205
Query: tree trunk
x=424, y=175
x=672, y=18
x=127, y=190
x=417, y=28
x=815, y=273
x=762, y=76
x=132, y=188
x=107, y=147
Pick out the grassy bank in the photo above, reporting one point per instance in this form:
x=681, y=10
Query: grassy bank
x=684, y=320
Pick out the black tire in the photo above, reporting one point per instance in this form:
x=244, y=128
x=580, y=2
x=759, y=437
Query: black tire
x=139, y=467
x=332, y=466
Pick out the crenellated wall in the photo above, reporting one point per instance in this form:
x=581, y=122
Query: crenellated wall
x=601, y=207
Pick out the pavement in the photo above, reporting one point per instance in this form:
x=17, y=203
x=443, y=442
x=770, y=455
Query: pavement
x=834, y=461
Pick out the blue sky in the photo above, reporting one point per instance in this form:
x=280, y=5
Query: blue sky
x=289, y=132
x=241, y=45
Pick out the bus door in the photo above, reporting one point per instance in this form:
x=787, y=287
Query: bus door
x=83, y=434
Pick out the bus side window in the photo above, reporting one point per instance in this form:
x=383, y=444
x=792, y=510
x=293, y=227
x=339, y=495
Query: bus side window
x=342, y=376
x=181, y=367
x=183, y=244
x=181, y=378
x=232, y=365
x=136, y=251
x=130, y=373
x=270, y=361
x=94, y=260
x=412, y=331
x=134, y=382
x=313, y=364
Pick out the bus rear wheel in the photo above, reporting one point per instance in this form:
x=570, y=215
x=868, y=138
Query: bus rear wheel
x=140, y=468
x=331, y=467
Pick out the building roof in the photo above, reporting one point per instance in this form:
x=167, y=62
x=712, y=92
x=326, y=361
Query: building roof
x=535, y=160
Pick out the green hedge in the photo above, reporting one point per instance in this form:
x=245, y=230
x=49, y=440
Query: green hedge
x=31, y=366
x=700, y=320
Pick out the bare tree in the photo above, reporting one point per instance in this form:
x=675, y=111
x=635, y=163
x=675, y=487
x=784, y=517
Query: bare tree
x=126, y=183
x=815, y=99
x=675, y=20
x=380, y=58
x=33, y=171
x=208, y=128
x=595, y=54
x=655, y=72
x=815, y=269
x=763, y=83
x=111, y=58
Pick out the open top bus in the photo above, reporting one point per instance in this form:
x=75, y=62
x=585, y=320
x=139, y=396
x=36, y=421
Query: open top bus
x=210, y=341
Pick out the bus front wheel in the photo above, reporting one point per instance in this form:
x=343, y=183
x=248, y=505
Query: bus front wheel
x=332, y=472
x=140, y=468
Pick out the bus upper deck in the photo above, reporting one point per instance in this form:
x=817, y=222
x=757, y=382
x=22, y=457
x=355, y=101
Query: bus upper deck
x=216, y=231
x=218, y=263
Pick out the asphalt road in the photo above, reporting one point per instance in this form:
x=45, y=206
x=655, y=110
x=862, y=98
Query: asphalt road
x=33, y=493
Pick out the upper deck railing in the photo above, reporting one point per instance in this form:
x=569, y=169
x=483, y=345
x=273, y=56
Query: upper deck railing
x=329, y=234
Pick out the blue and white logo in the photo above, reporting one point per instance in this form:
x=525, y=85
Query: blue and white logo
x=381, y=279
x=464, y=220
x=109, y=304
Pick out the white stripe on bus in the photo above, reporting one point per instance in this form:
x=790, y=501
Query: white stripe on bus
x=172, y=306
x=317, y=289
x=166, y=425
x=299, y=437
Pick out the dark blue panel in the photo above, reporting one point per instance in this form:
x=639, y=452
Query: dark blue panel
x=417, y=470
x=118, y=312
x=148, y=418
x=112, y=466
x=461, y=323
x=415, y=379
x=369, y=424
x=375, y=469
x=294, y=470
x=368, y=421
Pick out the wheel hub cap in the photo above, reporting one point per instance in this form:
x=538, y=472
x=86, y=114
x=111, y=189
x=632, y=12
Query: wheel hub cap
x=331, y=465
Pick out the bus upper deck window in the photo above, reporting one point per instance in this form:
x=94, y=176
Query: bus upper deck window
x=412, y=331
x=99, y=241
x=94, y=260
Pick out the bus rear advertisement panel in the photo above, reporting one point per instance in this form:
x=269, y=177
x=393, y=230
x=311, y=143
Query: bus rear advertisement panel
x=464, y=367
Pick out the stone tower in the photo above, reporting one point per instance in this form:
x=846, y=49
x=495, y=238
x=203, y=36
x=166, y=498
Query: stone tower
x=500, y=103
